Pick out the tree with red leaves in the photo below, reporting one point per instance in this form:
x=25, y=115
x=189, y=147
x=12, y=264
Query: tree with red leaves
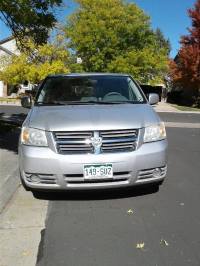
x=185, y=69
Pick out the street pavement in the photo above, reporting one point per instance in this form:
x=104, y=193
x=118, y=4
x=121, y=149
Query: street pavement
x=12, y=110
x=98, y=229
x=106, y=227
x=13, y=113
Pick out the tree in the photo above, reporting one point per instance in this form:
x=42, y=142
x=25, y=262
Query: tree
x=27, y=18
x=105, y=33
x=185, y=70
x=51, y=58
x=142, y=64
x=161, y=42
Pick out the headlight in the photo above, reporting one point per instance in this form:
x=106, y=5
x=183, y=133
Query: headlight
x=33, y=137
x=155, y=132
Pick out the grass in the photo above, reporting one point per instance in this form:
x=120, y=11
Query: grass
x=185, y=108
x=5, y=99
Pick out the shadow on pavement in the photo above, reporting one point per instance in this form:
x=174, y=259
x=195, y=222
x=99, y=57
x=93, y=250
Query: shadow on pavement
x=88, y=195
x=13, y=119
x=9, y=136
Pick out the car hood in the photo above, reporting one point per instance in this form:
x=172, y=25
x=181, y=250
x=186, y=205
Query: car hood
x=91, y=117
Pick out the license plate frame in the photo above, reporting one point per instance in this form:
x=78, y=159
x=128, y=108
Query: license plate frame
x=98, y=171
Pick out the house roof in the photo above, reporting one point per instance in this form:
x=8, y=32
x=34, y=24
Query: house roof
x=88, y=74
x=6, y=40
x=6, y=50
x=2, y=44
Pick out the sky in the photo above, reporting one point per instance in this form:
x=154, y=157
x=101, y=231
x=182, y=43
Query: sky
x=168, y=15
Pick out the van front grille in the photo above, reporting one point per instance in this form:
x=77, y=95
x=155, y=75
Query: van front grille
x=95, y=142
x=73, y=142
x=119, y=140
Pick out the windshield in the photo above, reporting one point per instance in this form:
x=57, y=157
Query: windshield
x=89, y=90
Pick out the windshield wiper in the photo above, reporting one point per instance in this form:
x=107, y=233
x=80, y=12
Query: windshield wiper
x=85, y=103
x=65, y=103
x=102, y=102
x=48, y=103
x=122, y=102
x=125, y=102
x=94, y=103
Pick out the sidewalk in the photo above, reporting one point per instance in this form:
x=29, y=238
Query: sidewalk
x=21, y=225
x=166, y=107
x=163, y=107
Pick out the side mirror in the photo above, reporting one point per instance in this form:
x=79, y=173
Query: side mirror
x=26, y=102
x=153, y=98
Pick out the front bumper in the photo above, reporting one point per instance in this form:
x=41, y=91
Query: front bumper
x=65, y=172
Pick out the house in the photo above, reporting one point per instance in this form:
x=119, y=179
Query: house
x=8, y=47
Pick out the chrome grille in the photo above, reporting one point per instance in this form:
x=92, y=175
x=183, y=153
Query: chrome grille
x=119, y=140
x=73, y=142
x=80, y=142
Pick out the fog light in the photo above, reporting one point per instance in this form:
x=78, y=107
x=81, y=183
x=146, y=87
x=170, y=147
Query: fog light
x=35, y=179
x=157, y=173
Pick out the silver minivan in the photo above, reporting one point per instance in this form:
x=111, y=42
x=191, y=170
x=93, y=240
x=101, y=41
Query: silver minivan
x=91, y=131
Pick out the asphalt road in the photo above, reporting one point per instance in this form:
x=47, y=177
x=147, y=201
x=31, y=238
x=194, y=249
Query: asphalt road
x=13, y=114
x=94, y=229
x=12, y=110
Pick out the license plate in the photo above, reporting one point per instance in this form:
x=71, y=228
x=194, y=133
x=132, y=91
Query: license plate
x=94, y=171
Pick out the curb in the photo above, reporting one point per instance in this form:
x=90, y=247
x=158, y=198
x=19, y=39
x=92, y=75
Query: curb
x=178, y=112
x=8, y=188
x=182, y=125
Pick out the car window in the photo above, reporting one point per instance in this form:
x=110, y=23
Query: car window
x=91, y=88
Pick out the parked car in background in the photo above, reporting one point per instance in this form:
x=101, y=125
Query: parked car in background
x=91, y=131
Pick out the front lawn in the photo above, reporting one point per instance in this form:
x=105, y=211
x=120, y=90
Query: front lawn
x=185, y=108
x=6, y=99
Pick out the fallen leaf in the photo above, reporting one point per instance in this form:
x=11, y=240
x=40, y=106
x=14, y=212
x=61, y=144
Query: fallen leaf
x=26, y=253
x=164, y=242
x=140, y=245
x=130, y=211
